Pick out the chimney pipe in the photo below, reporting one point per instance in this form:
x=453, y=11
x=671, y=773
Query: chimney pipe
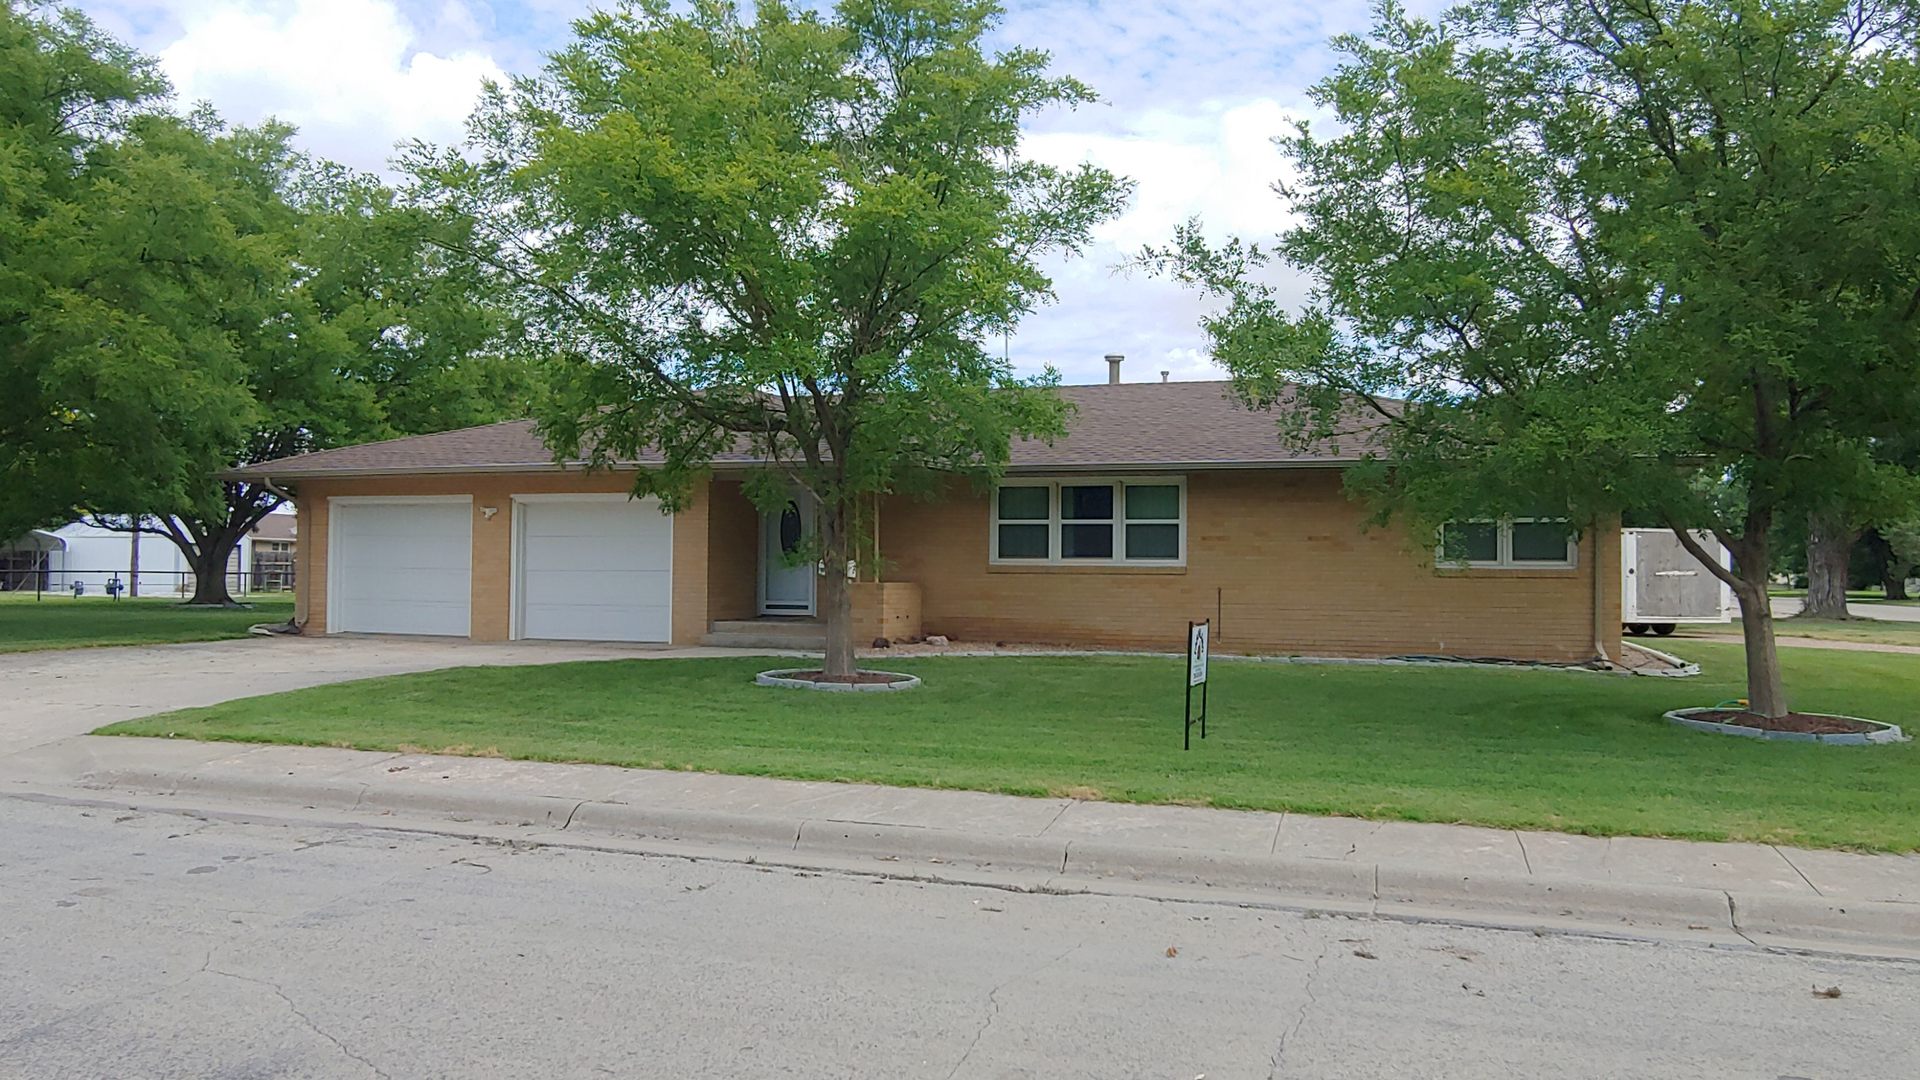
x=1113, y=368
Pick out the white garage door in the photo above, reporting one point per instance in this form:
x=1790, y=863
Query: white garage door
x=594, y=569
x=400, y=566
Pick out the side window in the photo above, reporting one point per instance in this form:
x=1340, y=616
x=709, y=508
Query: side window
x=1084, y=521
x=1514, y=544
x=1153, y=521
x=1022, y=522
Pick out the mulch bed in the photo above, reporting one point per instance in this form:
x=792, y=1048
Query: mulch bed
x=1808, y=723
x=861, y=677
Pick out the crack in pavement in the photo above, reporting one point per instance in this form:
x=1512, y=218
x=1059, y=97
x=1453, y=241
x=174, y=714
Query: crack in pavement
x=1280, y=1051
x=993, y=1006
x=304, y=1018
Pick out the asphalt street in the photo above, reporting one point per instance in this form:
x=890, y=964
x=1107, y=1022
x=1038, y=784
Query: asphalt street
x=153, y=945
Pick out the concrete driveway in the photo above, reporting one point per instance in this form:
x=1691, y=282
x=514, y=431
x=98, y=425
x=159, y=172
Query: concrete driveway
x=51, y=695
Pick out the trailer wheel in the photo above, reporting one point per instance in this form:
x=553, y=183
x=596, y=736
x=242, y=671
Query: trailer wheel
x=1637, y=629
x=1663, y=628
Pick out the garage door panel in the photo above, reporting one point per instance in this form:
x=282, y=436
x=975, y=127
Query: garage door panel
x=402, y=567
x=595, y=570
x=595, y=622
x=561, y=554
x=420, y=585
x=599, y=588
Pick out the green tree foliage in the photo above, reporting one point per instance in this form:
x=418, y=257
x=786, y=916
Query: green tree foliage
x=1659, y=254
x=360, y=329
x=178, y=298
x=110, y=237
x=786, y=236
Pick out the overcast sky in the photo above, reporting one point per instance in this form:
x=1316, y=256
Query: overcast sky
x=1192, y=93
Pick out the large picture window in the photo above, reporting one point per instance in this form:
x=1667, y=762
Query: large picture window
x=1510, y=544
x=1091, y=522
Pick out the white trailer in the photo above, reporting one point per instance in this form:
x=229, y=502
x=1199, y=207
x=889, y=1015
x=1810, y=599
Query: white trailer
x=1663, y=585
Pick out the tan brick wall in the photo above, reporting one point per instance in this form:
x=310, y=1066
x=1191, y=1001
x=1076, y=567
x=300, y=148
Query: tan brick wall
x=733, y=537
x=493, y=540
x=885, y=609
x=1276, y=558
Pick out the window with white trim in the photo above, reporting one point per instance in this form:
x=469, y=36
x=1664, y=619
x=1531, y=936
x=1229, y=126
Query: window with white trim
x=1139, y=522
x=1509, y=544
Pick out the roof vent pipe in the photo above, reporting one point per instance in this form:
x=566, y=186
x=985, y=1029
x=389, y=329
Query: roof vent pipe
x=1113, y=368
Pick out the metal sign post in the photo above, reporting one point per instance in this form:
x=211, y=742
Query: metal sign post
x=1196, y=676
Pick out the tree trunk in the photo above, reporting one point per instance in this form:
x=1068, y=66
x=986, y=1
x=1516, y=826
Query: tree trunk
x=209, y=562
x=1766, y=695
x=1829, y=547
x=1896, y=582
x=836, y=600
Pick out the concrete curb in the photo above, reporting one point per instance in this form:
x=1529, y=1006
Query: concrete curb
x=1331, y=879
x=1795, y=921
x=1385, y=890
x=899, y=843
x=1666, y=906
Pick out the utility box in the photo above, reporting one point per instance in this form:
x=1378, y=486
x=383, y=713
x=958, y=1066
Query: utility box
x=1664, y=586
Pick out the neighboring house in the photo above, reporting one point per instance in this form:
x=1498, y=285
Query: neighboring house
x=272, y=545
x=1166, y=502
x=54, y=560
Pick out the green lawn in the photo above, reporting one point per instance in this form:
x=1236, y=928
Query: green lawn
x=1535, y=749
x=1870, y=631
x=58, y=621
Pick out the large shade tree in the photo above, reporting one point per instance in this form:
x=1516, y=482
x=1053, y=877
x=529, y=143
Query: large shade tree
x=359, y=328
x=178, y=297
x=1660, y=255
x=111, y=236
x=789, y=235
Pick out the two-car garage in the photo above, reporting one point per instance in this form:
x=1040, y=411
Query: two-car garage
x=593, y=567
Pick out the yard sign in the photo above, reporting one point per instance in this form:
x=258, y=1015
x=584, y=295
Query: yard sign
x=1196, y=676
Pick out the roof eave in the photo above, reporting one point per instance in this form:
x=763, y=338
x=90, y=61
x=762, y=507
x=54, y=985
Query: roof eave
x=296, y=475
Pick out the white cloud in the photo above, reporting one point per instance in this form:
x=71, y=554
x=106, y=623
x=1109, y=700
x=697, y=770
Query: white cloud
x=351, y=74
x=1216, y=163
x=1192, y=92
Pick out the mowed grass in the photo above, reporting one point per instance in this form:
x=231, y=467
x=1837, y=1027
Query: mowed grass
x=58, y=621
x=1866, y=631
x=1571, y=751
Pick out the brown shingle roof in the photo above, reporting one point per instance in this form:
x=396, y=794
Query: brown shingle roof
x=1126, y=426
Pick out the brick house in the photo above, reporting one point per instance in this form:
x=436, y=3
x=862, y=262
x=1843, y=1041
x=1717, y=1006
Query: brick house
x=1165, y=502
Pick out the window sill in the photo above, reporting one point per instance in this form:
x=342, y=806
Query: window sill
x=1503, y=572
x=1081, y=568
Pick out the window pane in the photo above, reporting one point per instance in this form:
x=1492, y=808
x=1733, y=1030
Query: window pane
x=1023, y=503
x=1086, y=541
x=1088, y=503
x=1023, y=541
x=1473, y=541
x=1539, y=541
x=1153, y=541
x=1153, y=502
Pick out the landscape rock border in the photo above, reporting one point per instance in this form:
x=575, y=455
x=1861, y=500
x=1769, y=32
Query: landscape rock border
x=1883, y=733
x=784, y=677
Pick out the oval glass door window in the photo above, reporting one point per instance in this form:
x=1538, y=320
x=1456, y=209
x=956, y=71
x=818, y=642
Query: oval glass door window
x=790, y=528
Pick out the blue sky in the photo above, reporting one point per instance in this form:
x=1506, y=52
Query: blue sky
x=1192, y=93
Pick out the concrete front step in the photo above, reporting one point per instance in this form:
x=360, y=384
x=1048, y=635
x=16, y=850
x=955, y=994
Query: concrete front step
x=767, y=634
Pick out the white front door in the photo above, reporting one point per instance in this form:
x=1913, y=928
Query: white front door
x=786, y=589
